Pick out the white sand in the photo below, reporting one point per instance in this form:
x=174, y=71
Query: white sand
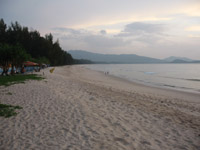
x=75, y=108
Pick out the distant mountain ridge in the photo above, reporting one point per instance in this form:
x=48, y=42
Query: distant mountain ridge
x=125, y=58
x=112, y=58
x=173, y=58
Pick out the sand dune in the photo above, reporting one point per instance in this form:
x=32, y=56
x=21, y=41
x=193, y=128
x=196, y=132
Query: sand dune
x=75, y=108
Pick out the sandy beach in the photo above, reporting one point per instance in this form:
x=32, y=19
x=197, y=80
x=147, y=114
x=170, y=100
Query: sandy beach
x=74, y=108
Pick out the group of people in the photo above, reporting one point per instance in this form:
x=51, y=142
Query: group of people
x=22, y=70
x=106, y=73
x=29, y=69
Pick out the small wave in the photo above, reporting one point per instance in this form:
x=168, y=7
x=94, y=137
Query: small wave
x=172, y=78
x=149, y=72
x=170, y=86
x=179, y=87
x=198, y=80
x=182, y=88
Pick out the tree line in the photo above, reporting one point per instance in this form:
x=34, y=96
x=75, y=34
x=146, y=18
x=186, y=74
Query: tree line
x=18, y=43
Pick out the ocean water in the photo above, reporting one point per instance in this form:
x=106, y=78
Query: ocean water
x=184, y=77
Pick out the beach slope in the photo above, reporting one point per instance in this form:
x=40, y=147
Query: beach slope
x=76, y=108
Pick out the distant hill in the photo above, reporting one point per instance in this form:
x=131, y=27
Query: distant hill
x=112, y=58
x=183, y=61
x=89, y=57
x=177, y=59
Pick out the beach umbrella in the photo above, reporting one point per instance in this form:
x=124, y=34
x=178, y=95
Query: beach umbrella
x=29, y=63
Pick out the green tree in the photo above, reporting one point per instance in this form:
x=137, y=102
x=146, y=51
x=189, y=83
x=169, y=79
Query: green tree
x=3, y=32
x=5, y=57
x=34, y=44
x=18, y=56
x=12, y=56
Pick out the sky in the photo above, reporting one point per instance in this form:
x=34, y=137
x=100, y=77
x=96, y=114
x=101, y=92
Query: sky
x=153, y=28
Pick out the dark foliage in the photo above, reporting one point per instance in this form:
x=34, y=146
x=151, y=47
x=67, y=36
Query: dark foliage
x=8, y=110
x=9, y=80
x=12, y=55
x=39, y=48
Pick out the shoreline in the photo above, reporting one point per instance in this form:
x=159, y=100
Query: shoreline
x=158, y=80
x=77, y=108
x=192, y=95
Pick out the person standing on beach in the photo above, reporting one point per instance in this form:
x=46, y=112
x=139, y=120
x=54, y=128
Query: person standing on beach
x=23, y=70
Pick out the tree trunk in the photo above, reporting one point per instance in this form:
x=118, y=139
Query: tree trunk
x=12, y=70
x=5, y=71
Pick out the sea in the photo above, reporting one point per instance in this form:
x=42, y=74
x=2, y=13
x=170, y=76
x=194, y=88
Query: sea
x=182, y=77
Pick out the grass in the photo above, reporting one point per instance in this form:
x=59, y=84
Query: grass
x=9, y=80
x=9, y=93
x=8, y=110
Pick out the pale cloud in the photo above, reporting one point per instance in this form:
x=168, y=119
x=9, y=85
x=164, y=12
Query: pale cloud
x=145, y=33
x=140, y=27
x=113, y=31
x=103, y=32
x=155, y=28
x=85, y=39
x=121, y=20
x=194, y=36
x=142, y=38
x=191, y=9
x=67, y=30
x=133, y=38
x=103, y=42
x=193, y=28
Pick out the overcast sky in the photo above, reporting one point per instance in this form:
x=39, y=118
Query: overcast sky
x=154, y=28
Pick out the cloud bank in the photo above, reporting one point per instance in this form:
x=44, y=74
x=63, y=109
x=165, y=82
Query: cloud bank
x=152, y=28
